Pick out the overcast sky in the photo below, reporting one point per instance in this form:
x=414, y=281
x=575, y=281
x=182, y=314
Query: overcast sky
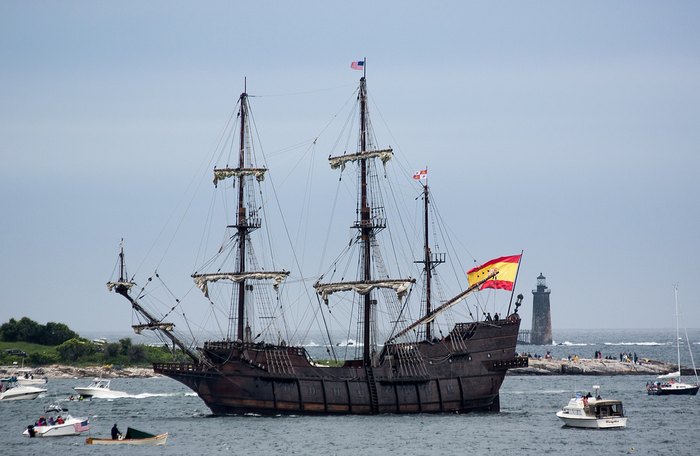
x=569, y=130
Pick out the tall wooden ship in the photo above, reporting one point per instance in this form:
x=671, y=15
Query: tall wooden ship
x=415, y=370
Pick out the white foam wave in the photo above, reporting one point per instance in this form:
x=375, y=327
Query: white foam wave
x=574, y=344
x=147, y=395
x=348, y=343
x=646, y=344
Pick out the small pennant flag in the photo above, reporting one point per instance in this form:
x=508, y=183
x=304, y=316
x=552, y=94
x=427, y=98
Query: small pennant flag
x=359, y=65
x=420, y=175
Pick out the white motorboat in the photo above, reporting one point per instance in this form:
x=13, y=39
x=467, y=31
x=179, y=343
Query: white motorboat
x=26, y=376
x=593, y=412
x=10, y=391
x=57, y=426
x=99, y=388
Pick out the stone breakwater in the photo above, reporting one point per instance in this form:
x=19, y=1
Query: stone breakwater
x=582, y=366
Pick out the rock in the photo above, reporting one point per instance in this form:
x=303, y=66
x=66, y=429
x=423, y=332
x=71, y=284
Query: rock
x=60, y=371
x=582, y=366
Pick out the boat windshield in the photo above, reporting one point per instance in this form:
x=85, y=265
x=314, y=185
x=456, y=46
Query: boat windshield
x=609, y=409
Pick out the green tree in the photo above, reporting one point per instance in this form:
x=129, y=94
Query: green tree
x=137, y=353
x=112, y=350
x=56, y=334
x=25, y=330
x=41, y=359
x=126, y=345
x=74, y=349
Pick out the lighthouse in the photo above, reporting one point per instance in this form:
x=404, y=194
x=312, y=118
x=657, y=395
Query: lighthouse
x=541, y=333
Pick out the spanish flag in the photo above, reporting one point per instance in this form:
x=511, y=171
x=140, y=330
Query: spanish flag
x=507, y=268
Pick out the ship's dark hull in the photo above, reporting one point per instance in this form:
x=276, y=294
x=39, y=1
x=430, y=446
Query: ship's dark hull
x=459, y=373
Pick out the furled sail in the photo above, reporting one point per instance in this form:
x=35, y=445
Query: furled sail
x=202, y=280
x=340, y=161
x=401, y=287
x=223, y=173
x=127, y=285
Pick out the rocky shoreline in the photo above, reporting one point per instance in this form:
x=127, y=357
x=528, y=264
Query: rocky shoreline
x=57, y=371
x=576, y=366
x=582, y=366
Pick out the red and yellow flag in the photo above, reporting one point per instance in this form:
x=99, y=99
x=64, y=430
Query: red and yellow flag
x=507, y=268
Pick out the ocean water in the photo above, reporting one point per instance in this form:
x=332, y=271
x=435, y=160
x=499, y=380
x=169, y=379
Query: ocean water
x=526, y=425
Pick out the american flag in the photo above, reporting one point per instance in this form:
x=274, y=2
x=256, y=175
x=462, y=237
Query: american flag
x=359, y=65
x=82, y=426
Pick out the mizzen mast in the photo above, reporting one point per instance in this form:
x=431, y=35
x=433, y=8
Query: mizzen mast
x=429, y=261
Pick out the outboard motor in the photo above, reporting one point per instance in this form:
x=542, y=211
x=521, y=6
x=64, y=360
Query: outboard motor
x=31, y=431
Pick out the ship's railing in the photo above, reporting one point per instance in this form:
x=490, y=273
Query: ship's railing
x=178, y=367
x=518, y=361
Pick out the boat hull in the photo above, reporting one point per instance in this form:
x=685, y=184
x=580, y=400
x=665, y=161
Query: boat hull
x=684, y=390
x=592, y=423
x=159, y=439
x=460, y=373
x=70, y=427
x=99, y=393
x=21, y=393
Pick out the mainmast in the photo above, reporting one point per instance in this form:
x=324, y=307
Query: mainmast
x=366, y=228
x=369, y=223
x=241, y=225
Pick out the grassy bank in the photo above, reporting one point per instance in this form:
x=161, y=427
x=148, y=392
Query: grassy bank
x=81, y=353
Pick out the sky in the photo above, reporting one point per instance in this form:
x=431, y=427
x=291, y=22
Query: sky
x=569, y=130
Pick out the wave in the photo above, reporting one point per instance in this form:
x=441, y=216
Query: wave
x=646, y=344
x=147, y=395
x=141, y=396
x=574, y=344
x=348, y=343
x=539, y=392
x=312, y=344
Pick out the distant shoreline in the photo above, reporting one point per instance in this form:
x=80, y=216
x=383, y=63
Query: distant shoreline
x=576, y=366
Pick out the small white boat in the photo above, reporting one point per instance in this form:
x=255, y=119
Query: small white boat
x=10, y=391
x=593, y=412
x=132, y=437
x=59, y=426
x=99, y=388
x=26, y=377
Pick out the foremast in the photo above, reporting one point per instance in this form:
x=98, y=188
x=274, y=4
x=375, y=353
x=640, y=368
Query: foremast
x=368, y=225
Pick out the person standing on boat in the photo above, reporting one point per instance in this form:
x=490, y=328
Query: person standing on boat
x=115, y=432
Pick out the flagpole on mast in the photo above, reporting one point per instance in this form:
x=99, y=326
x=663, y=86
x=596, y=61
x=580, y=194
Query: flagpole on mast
x=512, y=292
x=364, y=67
